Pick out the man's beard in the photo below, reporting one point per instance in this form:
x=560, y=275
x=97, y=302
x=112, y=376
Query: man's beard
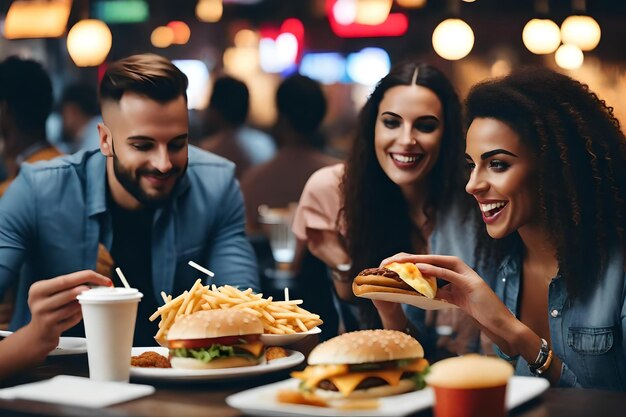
x=131, y=183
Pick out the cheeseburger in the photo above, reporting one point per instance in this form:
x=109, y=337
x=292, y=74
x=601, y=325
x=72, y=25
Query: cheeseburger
x=364, y=364
x=214, y=339
x=400, y=278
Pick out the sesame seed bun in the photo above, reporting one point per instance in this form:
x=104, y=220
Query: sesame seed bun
x=215, y=323
x=470, y=371
x=366, y=346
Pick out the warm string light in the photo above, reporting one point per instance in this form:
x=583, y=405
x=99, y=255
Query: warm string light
x=89, y=42
x=372, y=12
x=582, y=31
x=36, y=19
x=569, y=57
x=209, y=11
x=541, y=36
x=453, y=39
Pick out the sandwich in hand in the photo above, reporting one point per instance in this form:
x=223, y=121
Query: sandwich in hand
x=400, y=278
x=364, y=364
x=212, y=339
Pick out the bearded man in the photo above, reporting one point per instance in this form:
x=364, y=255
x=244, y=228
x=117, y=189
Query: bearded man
x=146, y=202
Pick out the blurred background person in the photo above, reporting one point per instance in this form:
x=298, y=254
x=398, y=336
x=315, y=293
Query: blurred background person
x=301, y=106
x=228, y=135
x=80, y=115
x=25, y=104
x=401, y=187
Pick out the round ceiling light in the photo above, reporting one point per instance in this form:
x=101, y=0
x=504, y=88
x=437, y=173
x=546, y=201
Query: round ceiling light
x=541, y=36
x=453, y=39
x=582, y=31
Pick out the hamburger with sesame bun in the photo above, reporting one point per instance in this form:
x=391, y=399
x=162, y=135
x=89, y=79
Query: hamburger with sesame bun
x=214, y=339
x=364, y=364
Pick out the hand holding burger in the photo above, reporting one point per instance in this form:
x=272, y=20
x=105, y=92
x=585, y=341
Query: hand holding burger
x=213, y=339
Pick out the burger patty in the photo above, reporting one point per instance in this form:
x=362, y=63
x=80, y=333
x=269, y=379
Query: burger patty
x=383, y=272
x=370, y=382
x=385, y=281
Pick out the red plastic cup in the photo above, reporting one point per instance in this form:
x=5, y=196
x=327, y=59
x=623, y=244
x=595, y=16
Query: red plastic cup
x=470, y=402
x=470, y=386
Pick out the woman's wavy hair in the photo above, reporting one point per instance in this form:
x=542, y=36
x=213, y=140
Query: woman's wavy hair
x=376, y=213
x=581, y=166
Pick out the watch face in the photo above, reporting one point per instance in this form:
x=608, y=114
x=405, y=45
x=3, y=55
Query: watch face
x=344, y=267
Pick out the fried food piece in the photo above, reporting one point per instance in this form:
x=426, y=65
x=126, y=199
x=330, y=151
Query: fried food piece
x=150, y=360
x=275, y=352
x=361, y=404
x=296, y=397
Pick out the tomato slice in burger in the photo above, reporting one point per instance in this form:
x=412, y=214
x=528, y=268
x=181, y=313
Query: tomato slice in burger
x=203, y=343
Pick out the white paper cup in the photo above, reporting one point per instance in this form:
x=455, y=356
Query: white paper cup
x=109, y=315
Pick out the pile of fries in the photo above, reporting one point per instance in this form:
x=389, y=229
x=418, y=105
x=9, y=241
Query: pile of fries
x=278, y=317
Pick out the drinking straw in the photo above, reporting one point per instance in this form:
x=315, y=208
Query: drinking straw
x=201, y=268
x=122, y=277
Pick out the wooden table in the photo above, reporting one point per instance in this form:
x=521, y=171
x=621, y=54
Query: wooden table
x=207, y=399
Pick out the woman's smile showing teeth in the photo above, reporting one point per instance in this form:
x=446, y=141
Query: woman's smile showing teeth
x=405, y=160
x=490, y=210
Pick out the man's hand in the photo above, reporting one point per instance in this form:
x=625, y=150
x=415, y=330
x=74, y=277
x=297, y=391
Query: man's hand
x=54, y=307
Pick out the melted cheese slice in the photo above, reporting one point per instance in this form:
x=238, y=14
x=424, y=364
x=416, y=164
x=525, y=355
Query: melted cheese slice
x=255, y=348
x=348, y=383
x=409, y=273
x=418, y=365
x=313, y=375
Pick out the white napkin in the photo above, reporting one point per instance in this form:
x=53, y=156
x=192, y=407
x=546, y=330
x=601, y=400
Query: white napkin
x=77, y=391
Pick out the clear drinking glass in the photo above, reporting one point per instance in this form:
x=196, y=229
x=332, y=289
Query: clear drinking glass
x=276, y=223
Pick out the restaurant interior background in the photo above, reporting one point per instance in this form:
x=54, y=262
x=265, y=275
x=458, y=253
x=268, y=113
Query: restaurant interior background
x=261, y=41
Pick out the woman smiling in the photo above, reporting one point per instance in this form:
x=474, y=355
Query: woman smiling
x=548, y=172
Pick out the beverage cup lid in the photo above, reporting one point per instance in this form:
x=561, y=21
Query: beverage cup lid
x=109, y=295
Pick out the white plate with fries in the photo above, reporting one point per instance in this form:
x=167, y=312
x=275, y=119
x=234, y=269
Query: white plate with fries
x=284, y=321
x=170, y=374
x=271, y=339
x=262, y=401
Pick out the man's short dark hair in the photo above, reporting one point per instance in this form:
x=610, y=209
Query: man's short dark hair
x=82, y=95
x=301, y=101
x=231, y=99
x=26, y=88
x=147, y=74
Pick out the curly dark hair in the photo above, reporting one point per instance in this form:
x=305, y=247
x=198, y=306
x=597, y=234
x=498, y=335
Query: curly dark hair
x=581, y=166
x=377, y=215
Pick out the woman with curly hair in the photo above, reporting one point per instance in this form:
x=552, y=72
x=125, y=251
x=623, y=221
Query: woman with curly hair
x=401, y=188
x=548, y=170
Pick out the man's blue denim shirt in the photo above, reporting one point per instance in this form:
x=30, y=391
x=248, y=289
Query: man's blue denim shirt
x=588, y=334
x=55, y=214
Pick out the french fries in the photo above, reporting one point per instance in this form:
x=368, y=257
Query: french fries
x=278, y=317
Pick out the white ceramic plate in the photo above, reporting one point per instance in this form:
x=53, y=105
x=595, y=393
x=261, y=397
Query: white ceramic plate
x=67, y=345
x=287, y=339
x=171, y=374
x=261, y=401
x=415, y=300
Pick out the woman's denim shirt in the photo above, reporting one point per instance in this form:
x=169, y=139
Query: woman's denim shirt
x=588, y=334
